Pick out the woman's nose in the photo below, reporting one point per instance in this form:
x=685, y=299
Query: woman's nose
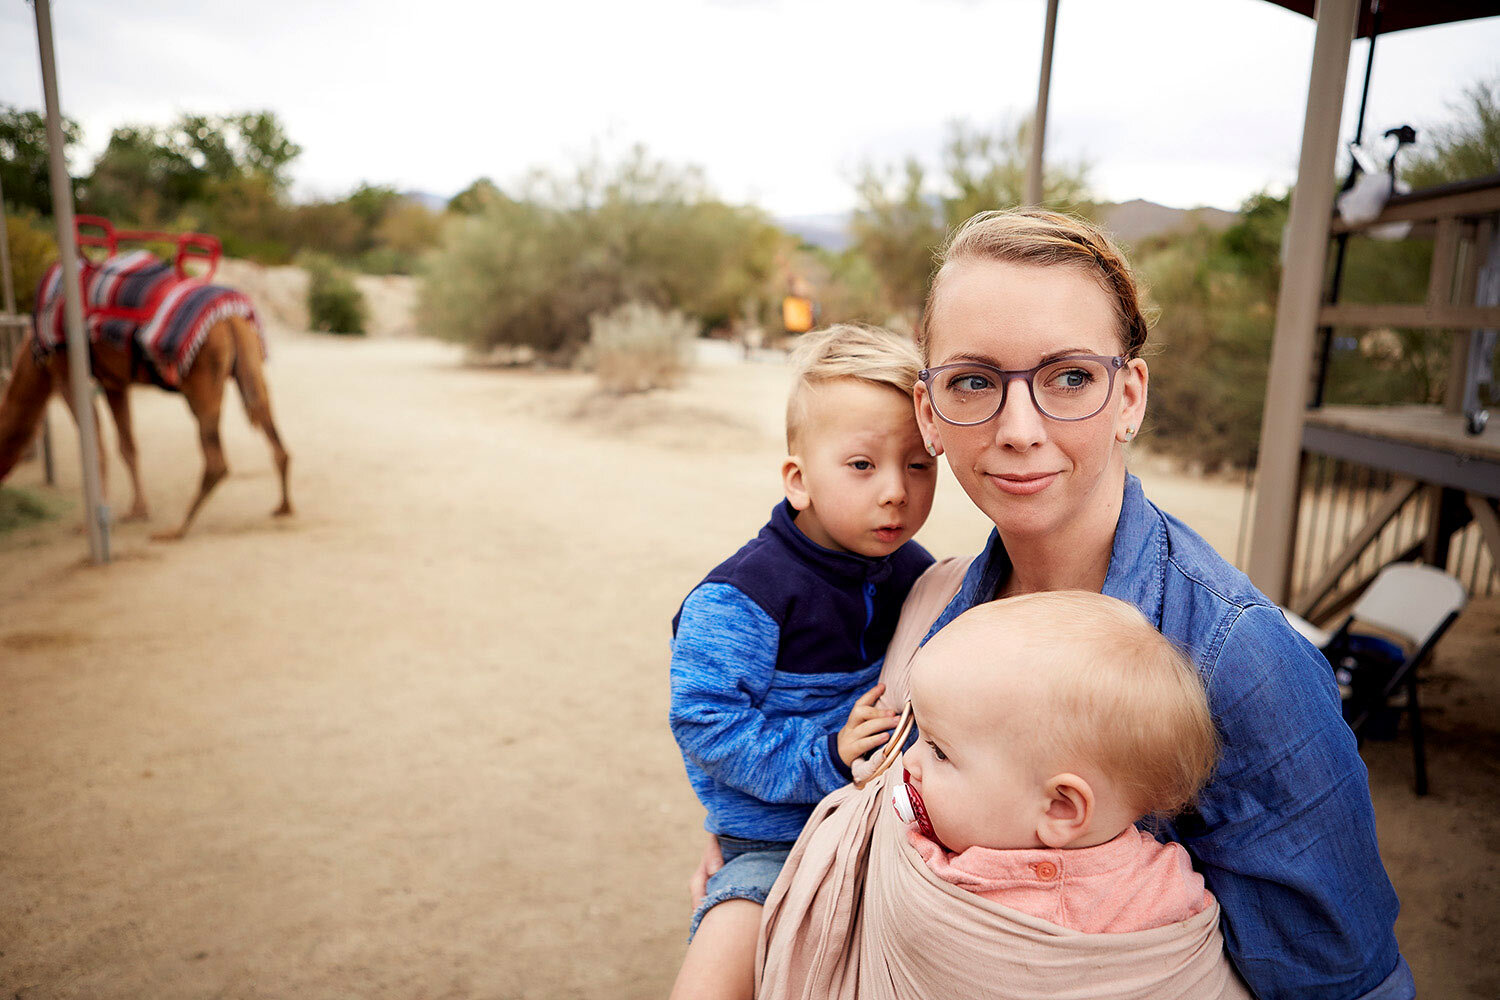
x=1019, y=424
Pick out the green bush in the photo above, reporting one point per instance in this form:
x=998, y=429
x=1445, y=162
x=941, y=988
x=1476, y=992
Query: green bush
x=636, y=347
x=19, y=508
x=33, y=248
x=530, y=272
x=334, y=303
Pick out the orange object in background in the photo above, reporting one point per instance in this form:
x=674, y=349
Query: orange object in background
x=797, y=314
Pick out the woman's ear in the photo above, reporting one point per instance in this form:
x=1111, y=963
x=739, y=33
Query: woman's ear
x=793, y=483
x=1069, y=812
x=927, y=421
x=1133, y=379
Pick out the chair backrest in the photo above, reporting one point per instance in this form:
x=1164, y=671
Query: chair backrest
x=1411, y=600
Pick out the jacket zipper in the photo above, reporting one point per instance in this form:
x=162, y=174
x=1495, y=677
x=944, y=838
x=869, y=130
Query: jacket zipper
x=869, y=617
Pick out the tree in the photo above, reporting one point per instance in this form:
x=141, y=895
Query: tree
x=472, y=199
x=903, y=215
x=1468, y=146
x=25, y=171
x=150, y=174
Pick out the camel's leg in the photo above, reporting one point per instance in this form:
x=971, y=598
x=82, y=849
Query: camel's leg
x=204, y=390
x=119, y=408
x=62, y=380
x=249, y=374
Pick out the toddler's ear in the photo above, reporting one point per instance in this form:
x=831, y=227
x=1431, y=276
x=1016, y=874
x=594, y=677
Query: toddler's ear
x=1070, y=810
x=793, y=483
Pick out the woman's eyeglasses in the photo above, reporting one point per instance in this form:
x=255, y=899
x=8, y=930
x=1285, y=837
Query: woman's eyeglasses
x=1071, y=388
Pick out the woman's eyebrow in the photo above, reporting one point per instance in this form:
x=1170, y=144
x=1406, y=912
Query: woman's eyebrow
x=985, y=359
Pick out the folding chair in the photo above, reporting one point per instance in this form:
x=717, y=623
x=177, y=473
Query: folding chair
x=1416, y=604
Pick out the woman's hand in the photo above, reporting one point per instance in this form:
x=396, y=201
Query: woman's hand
x=867, y=727
x=712, y=861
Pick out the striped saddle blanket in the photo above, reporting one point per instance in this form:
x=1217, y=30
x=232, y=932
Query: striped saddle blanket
x=136, y=298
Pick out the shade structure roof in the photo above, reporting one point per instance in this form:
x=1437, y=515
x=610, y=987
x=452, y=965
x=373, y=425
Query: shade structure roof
x=1397, y=15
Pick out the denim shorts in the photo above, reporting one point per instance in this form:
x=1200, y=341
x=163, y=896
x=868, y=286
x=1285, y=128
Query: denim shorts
x=750, y=867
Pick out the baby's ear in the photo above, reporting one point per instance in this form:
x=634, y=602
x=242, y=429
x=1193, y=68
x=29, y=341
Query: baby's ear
x=793, y=483
x=1070, y=810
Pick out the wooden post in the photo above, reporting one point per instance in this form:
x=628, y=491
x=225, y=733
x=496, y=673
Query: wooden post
x=95, y=517
x=1274, y=528
x=1034, y=186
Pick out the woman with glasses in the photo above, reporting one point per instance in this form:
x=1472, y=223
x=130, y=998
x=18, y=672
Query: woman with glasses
x=1034, y=383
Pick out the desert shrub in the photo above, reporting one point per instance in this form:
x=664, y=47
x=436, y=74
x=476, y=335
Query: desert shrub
x=334, y=303
x=530, y=271
x=33, y=248
x=1208, y=351
x=19, y=508
x=637, y=346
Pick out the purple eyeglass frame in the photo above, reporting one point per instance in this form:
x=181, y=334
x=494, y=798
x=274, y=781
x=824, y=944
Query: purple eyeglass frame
x=1008, y=375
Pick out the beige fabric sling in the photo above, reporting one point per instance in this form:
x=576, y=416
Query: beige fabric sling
x=857, y=914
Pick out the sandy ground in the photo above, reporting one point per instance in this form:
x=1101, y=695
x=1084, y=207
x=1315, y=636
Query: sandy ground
x=412, y=741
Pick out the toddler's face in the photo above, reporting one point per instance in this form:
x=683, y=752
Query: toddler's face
x=974, y=764
x=866, y=479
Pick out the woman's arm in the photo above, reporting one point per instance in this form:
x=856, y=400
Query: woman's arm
x=1285, y=832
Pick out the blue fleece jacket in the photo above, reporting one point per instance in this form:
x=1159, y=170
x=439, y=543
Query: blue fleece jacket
x=769, y=653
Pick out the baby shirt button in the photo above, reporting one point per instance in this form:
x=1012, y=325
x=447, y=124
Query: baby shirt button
x=1046, y=871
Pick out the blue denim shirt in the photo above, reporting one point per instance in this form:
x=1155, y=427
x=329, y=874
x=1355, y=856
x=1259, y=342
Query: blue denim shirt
x=1284, y=834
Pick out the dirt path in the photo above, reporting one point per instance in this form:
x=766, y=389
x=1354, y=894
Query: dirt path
x=412, y=742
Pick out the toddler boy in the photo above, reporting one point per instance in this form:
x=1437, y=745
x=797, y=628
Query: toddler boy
x=770, y=653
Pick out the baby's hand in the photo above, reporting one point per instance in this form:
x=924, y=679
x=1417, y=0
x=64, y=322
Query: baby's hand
x=867, y=727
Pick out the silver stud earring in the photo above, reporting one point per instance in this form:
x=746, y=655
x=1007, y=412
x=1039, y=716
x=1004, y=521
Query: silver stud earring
x=1129, y=433
x=931, y=449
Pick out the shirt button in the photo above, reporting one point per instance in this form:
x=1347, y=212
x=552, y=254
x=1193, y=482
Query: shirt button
x=1046, y=871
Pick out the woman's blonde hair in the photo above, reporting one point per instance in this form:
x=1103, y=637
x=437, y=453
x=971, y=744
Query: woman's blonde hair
x=1040, y=238
x=848, y=350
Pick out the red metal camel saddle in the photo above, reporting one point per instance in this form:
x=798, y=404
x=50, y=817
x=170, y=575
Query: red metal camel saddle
x=136, y=300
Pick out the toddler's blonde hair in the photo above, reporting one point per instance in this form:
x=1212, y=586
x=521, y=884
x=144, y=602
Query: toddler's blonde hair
x=1118, y=693
x=846, y=350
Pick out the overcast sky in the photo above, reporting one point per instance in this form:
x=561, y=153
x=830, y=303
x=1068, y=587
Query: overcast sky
x=1183, y=102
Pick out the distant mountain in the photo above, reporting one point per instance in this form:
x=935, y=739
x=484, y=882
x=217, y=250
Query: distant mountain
x=829, y=230
x=1139, y=220
x=426, y=199
x=1128, y=221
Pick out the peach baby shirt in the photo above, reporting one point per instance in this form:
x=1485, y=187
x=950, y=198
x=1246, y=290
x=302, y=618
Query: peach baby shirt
x=1131, y=883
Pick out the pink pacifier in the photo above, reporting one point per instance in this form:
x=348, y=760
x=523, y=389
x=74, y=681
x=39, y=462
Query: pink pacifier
x=908, y=804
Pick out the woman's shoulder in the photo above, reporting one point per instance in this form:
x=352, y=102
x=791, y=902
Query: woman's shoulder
x=1211, y=607
x=1191, y=562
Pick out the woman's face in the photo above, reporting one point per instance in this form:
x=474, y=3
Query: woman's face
x=1030, y=474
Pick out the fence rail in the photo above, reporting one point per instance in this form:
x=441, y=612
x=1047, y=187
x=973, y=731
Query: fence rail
x=1353, y=520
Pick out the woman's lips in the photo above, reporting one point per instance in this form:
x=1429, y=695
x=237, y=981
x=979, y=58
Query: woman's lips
x=1023, y=485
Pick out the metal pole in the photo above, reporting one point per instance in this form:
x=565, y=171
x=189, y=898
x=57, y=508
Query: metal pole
x=1039, y=121
x=1274, y=528
x=1325, y=334
x=95, y=516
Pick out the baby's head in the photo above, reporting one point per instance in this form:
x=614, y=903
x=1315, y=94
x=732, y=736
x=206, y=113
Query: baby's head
x=1054, y=720
x=857, y=470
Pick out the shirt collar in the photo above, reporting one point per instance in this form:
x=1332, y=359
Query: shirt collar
x=844, y=565
x=1137, y=562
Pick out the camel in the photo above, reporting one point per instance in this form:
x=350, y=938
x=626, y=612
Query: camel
x=230, y=347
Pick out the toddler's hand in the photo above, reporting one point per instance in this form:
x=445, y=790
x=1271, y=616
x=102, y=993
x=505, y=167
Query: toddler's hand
x=712, y=861
x=867, y=727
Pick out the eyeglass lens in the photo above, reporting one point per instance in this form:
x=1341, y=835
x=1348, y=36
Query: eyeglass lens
x=1068, y=389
